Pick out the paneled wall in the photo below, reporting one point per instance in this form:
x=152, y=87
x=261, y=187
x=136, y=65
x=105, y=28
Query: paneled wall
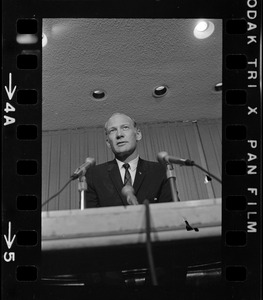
x=63, y=151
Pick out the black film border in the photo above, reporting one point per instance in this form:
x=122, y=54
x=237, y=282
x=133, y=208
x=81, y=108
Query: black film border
x=21, y=155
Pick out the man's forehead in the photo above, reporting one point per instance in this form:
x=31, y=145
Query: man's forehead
x=119, y=119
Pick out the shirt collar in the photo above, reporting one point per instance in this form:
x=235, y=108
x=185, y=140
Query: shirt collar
x=133, y=163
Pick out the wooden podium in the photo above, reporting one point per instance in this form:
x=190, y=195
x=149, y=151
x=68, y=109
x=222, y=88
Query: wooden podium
x=182, y=233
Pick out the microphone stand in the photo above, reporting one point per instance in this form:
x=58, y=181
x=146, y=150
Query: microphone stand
x=170, y=173
x=172, y=178
x=82, y=188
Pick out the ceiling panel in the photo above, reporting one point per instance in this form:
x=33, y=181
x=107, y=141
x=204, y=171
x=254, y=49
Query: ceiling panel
x=128, y=58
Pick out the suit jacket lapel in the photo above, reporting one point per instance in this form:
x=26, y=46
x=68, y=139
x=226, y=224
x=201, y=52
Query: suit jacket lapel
x=115, y=177
x=140, y=174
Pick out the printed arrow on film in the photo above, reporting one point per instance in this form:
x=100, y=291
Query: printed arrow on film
x=9, y=240
x=9, y=91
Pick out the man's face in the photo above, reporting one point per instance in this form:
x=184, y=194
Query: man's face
x=122, y=136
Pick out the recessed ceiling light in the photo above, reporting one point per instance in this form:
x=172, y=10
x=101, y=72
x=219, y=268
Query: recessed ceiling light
x=98, y=95
x=204, y=29
x=44, y=40
x=160, y=91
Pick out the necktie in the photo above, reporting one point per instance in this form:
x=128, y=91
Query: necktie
x=127, y=176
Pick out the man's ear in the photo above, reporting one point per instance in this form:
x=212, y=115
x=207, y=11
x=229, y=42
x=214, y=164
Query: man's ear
x=108, y=144
x=138, y=135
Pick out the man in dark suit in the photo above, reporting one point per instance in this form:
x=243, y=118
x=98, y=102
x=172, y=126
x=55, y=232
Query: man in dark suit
x=106, y=181
x=148, y=179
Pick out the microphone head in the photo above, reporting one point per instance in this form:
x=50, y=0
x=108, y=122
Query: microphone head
x=90, y=160
x=127, y=189
x=162, y=157
x=81, y=171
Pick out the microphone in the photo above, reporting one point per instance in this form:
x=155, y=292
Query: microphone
x=128, y=192
x=163, y=157
x=80, y=171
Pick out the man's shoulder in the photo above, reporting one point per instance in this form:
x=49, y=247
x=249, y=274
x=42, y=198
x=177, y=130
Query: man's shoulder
x=103, y=166
x=152, y=164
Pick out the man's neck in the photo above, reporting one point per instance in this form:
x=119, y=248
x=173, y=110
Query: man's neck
x=127, y=159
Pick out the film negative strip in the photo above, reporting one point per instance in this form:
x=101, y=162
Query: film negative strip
x=241, y=221
x=22, y=258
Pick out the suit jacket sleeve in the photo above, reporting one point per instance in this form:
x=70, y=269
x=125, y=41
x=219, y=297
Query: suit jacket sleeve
x=92, y=199
x=165, y=193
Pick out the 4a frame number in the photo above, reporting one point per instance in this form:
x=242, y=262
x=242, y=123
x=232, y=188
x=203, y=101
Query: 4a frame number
x=9, y=107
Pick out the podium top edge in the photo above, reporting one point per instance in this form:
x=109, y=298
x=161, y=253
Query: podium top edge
x=118, y=209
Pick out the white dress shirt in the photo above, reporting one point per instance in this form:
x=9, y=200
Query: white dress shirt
x=133, y=167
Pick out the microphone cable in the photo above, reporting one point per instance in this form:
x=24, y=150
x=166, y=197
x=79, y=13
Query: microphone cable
x=48, y=200
x=210, y=174
x=83, y=168
x=163, y=157
x=149, y=244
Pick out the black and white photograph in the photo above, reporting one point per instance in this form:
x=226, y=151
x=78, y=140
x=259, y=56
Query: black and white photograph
x=131, y=149
x=131, y=155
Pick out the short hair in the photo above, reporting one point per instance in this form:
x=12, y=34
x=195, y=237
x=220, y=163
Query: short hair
x=117, y=113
